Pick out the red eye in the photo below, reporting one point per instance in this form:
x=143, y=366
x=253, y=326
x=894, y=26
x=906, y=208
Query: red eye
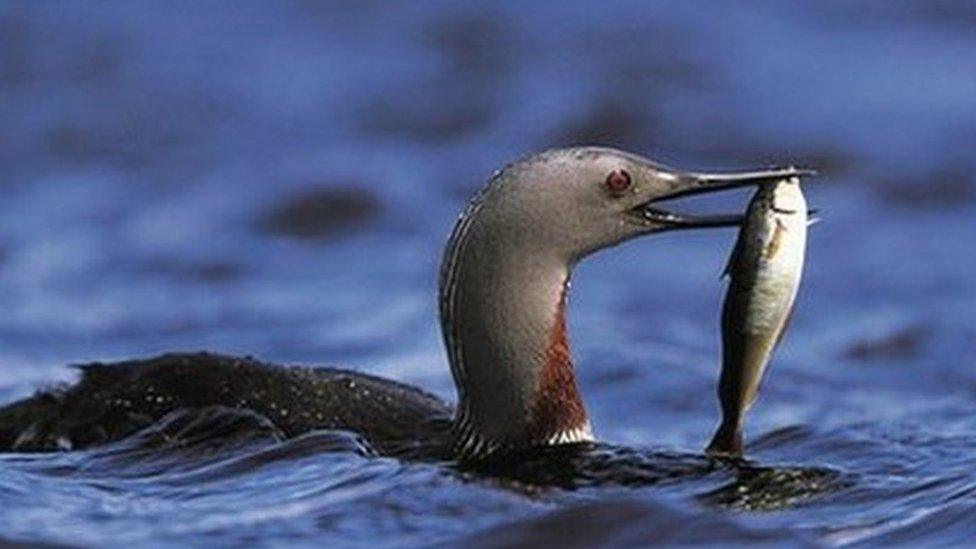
x=618, y=181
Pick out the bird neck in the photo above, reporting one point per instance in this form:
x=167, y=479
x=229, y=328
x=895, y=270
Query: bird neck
x=503, y=316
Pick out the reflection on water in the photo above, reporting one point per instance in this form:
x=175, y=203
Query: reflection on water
x=191, y=458
x=277, y=180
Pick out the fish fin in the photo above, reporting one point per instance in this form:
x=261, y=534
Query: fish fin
x=772, y=247
x=734, y=255
x=727, y=442
x=813, y=221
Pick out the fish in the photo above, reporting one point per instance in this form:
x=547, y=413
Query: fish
x=764, y=271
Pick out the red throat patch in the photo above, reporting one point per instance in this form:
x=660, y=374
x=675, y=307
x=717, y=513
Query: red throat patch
x=557, y=406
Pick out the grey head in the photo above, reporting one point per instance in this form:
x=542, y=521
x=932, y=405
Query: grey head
x=504, y=278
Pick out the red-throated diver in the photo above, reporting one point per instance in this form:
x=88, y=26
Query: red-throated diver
x=502, y=297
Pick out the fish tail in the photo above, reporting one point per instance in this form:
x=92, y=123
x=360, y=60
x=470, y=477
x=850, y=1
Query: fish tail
x=727, y=441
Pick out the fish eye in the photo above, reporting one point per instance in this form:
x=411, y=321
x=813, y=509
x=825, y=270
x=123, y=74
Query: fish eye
x=617, y=181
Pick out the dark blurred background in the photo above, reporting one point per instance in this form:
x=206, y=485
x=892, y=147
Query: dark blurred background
x=278, y=178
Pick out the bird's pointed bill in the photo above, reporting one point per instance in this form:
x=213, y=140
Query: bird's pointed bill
x=691, y=183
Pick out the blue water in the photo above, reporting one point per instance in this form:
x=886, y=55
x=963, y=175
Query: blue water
x=277, y=179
